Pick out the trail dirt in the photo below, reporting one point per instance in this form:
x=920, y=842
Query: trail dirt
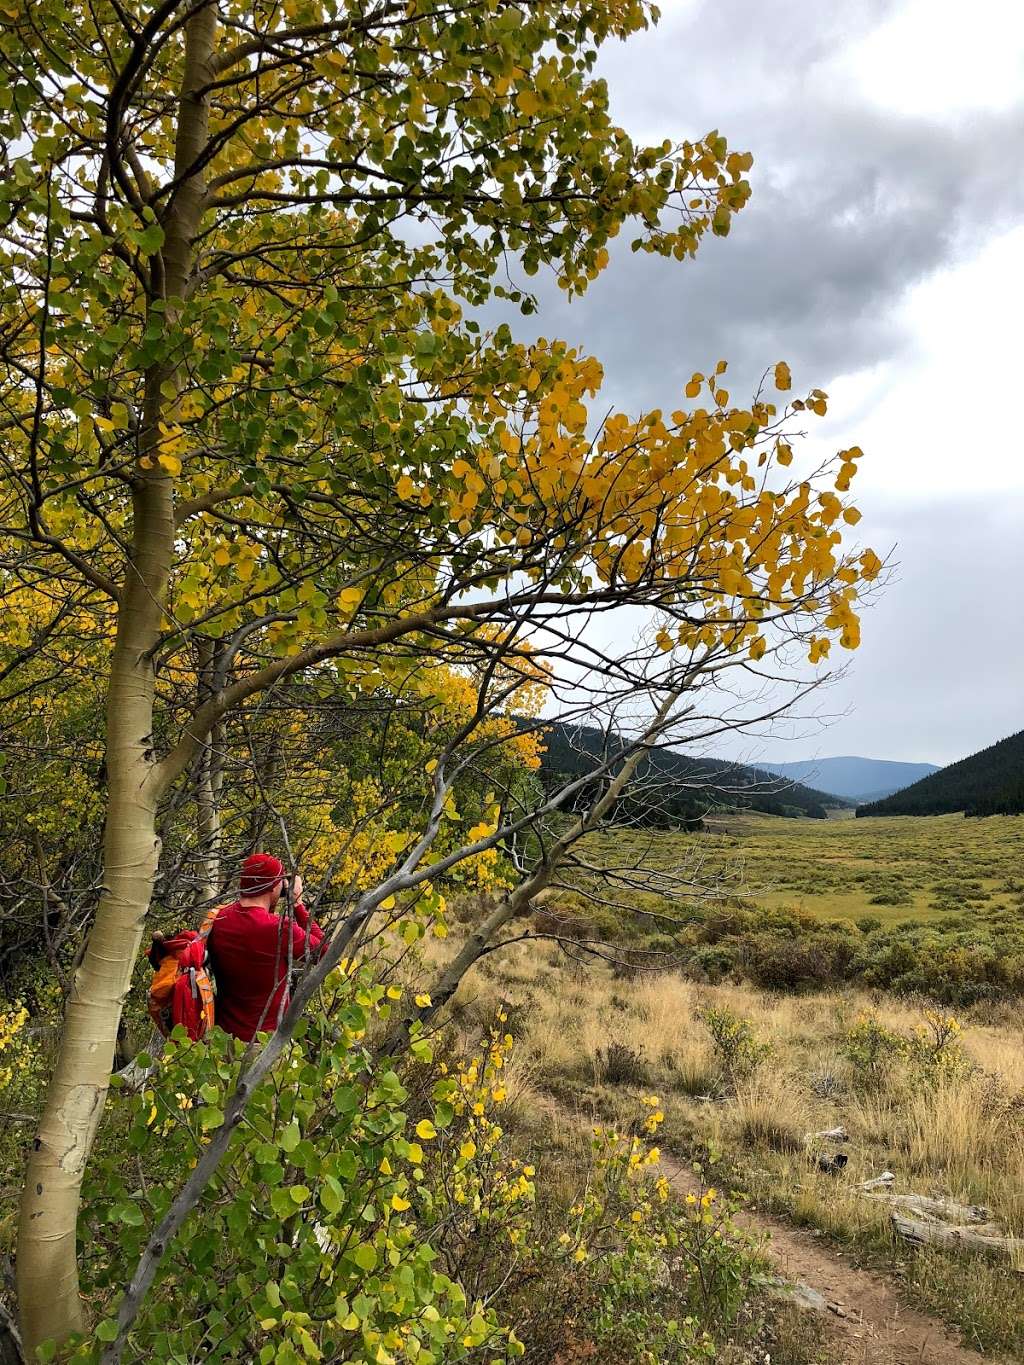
x=869, y=1323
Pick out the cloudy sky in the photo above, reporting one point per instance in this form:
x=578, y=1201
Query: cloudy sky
x=882, y=255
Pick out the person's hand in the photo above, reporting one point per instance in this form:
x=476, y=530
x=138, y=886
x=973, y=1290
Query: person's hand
x=296, y=889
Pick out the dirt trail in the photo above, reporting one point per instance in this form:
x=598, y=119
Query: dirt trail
x=869, y=1323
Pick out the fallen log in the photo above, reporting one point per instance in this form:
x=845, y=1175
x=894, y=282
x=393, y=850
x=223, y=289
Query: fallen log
x=828, y=1135
x=943, y=1210
x=885, y=1180
x=922, y=1232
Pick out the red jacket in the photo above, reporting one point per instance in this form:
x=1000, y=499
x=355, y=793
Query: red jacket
x=248, y=948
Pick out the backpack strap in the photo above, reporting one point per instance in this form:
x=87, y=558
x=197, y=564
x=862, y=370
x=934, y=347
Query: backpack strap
x=208, y=918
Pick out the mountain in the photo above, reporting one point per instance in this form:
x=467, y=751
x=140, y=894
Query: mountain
x=856, y=779
x=672, y=788
x=990, y=782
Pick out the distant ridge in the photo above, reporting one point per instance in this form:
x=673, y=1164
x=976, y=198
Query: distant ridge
x=671, y=788
x=990, y=782
x=854, y=779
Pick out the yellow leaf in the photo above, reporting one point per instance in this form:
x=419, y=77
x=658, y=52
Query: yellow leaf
x=426, y=1130
x=528, y=102
x=399, y=1204
x=170, y=462
x=783, y=379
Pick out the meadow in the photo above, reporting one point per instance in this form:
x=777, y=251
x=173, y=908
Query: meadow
x=926, y=906
x=771, y=979
x=891, y=870
x=746, y=1079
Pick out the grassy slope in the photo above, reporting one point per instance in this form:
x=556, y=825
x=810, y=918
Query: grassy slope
x=962, y=1139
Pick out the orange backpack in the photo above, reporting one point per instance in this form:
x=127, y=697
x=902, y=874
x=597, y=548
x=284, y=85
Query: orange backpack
x=181, y=991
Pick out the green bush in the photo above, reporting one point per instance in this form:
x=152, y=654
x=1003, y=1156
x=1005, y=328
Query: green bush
x=737, y=1048
x=346, y=1223
x=873, y=1050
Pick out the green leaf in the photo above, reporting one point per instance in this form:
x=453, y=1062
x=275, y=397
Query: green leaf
x=107, y=1329
x=150, y=239
x=290, y=1137
x=346, y=1099
x=365, y=1256
x=330, y=1196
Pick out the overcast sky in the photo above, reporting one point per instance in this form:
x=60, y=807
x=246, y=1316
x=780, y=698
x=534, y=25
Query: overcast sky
x=882, y=255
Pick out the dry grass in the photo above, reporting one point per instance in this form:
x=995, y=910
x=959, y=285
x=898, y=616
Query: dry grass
x=964, y=1138
x=961, y=1137
x=769, y=1112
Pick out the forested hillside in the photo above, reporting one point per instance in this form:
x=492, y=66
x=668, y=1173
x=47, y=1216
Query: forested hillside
x=676, y=789
x=990, y=782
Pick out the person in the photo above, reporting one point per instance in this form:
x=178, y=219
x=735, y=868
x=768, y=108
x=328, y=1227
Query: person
x=248, y=948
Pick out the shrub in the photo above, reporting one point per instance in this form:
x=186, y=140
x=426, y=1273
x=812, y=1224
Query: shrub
x=711, y=964
x=346, y=1217
x=619, y=1064
x=737, y=1048
x=630, y=1274
x=688, y=1260
x=934, y=1050
x=873, y=1050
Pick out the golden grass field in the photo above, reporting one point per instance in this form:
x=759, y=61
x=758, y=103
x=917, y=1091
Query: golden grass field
x=959, y=1135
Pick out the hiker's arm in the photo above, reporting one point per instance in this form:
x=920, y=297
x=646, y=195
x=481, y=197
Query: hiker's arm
x=307, y=936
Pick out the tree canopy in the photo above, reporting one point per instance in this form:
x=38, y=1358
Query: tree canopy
x=255, y=439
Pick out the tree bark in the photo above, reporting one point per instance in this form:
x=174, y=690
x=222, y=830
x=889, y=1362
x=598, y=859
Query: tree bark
x=49, y=1304
x=211, y=779
x=48, y=1298
x=921, y=1232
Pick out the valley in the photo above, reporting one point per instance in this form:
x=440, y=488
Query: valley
x=891, y=869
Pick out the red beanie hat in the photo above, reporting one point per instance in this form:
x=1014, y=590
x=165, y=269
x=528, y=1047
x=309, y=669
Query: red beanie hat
x=260, y=872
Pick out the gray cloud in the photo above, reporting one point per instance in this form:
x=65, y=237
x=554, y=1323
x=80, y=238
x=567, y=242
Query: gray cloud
x=852, y=207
